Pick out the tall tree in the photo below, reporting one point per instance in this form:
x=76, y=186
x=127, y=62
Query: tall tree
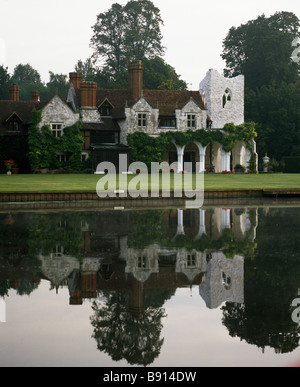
x=57, y=85
x=28, y=79
x=261, y=50
x=87, y=69
x=127, y=33
x=4, y=82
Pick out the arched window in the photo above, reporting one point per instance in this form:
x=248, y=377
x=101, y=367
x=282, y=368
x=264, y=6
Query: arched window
x=227, y=97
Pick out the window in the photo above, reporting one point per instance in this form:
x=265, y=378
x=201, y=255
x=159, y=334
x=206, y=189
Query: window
x=142, y=120
x=57, y=252
x=104, y=137
x=141, y=262
x=62, y=158
x=191, y=121
x=167, y=122
x=56, y=129
x=105, y=110
x=84, y=156
x=227, y=99
x=191, y=260
x=13, y=126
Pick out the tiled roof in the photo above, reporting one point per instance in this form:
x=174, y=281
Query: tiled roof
x=107, y=125
x=22, y=108
x=167, y=101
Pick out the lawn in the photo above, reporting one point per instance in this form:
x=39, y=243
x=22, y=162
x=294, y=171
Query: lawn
x=88, y=182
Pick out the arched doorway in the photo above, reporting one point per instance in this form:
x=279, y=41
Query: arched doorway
x=190, y=157
x=239, y=155
x=213, y=158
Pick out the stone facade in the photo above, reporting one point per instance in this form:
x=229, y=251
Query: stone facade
x=58, y=112
x=224, y=98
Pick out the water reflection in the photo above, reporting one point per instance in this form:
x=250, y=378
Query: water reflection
x=129, y=263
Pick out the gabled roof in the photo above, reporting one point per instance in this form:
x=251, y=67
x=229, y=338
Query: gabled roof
x=23, y=109
x=167, y=101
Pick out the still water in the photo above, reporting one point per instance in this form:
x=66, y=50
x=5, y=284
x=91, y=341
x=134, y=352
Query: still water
x=157, y=287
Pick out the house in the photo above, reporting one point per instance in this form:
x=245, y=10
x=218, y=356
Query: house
x=109, y=116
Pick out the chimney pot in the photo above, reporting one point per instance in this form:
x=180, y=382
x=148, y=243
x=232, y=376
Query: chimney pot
x=35, y=96
x=14, y=93
x=88, y=92
x=75, y=79
x=135, y=71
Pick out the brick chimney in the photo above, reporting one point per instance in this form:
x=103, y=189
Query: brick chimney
x=35, y=96
x=14, y=93
x=75, y=79
x=135, y=71
x=88, y=92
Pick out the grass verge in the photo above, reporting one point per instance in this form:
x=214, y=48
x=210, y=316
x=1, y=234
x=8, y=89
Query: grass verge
x=78, y=182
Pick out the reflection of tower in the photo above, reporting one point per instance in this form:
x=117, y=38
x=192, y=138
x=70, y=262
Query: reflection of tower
x=135, y=305
x=224, y=281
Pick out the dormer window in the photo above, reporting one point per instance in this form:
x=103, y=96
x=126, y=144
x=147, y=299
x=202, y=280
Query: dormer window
x=142, y=120
x=105, y=109
x=191, y=120
x=13, y=126
x=14, y=123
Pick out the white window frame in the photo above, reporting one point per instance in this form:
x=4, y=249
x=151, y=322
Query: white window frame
x=191, y=120
x=57, y=129
x=62, y=158
x=86, y=156
x=141, y=262
x=142, y=120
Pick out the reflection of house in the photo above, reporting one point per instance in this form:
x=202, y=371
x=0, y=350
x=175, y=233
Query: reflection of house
x=110, y=260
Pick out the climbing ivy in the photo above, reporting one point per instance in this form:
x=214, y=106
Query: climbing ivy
x=151, y=149
x=43, y=147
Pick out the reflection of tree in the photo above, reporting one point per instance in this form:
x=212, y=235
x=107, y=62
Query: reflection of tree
x=4, y=287
x=123, y=336
x=271, y=283
x=55, y=229
x=26, y=287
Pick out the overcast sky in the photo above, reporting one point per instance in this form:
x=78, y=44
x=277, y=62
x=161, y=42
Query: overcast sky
x=52, y=35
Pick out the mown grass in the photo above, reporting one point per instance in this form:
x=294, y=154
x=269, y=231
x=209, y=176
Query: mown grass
x=88, y=182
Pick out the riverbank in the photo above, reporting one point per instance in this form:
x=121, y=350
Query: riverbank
x=82, y=188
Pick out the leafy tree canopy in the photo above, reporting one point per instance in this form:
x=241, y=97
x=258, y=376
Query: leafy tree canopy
x=261, y=50
x=127, y=33
x=4, y=82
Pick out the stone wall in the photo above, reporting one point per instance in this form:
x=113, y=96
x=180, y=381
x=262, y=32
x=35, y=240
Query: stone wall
x=56, y=111
x=224, y=98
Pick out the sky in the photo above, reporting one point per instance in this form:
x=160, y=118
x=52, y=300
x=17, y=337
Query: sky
x=52, y=35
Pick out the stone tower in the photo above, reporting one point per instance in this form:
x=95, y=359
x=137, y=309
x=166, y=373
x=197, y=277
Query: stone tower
x=224, y=98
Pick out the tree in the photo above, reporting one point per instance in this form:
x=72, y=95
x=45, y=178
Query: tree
x=275, y=108
x=86, y=69
x=4, y=82
x=58, y=85
x=28, y=79
x=127, y=33
x=143, y=35
x=261, y=50
x=160, y=75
